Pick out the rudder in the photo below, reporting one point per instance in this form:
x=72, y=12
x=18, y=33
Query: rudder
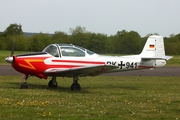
x=154, y=47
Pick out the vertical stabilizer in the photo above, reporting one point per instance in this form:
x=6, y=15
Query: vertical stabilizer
x=154, y=47
x=153, y=53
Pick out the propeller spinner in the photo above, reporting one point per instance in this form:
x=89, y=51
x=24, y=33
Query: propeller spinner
x=9, y=59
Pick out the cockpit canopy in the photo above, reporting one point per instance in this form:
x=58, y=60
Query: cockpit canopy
x=67, y=50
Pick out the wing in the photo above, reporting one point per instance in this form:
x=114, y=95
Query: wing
x=92, y=70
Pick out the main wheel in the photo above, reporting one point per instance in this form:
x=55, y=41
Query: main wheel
x=75, y=86
x=51, y=85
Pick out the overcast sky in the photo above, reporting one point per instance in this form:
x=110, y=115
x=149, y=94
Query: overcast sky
x=99, y=16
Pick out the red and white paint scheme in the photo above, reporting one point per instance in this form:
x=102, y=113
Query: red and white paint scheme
x=67, y=60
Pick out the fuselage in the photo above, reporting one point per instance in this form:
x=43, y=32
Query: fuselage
x=37, y=63
x=67, y=60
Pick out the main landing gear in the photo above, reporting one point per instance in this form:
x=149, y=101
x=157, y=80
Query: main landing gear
x=53, y=83
x=75, y=85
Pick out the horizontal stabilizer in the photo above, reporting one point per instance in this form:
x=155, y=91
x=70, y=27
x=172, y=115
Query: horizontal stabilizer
x=160, y=58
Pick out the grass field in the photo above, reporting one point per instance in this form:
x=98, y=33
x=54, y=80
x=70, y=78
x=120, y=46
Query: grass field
x=175, y=61
x=101, y=97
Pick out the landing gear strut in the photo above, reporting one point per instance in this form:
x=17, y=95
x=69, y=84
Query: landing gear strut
x=24, y=84
x=75, y=85
x=53, y=83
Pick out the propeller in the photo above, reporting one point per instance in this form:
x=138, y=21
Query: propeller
x=12, y=50
x=10, y=59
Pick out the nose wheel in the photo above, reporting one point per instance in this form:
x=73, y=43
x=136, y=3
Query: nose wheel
x=75, y=85
x=24, y=84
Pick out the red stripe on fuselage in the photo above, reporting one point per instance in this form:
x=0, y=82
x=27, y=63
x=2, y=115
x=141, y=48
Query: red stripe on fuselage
x=75, y=61
x=63, y=66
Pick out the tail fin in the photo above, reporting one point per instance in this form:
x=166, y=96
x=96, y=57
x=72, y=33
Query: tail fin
x=154, y=48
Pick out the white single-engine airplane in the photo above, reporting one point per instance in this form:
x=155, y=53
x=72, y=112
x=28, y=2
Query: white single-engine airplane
x=67, y=60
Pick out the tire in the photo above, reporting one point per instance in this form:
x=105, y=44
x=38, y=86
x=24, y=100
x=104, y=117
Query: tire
x=75, y=86
x=24, y=86
x=51, y=85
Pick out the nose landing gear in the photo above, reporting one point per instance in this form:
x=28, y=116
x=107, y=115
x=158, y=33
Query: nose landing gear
x=24, y=84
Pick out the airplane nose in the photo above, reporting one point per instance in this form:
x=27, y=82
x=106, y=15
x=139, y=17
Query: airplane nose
x=9, y=59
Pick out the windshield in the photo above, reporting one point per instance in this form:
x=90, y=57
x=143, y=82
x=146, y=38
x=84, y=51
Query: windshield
x=52, y=49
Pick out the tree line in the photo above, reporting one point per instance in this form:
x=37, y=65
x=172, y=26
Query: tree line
x=123, y=42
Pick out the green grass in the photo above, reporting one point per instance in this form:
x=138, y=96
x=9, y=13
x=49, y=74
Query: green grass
x=101, y=97
x=175, y=61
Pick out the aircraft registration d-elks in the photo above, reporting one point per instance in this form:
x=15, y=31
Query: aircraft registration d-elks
x=67, y=60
